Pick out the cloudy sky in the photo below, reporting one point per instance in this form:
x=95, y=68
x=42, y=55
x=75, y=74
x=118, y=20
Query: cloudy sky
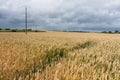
x=88, y=15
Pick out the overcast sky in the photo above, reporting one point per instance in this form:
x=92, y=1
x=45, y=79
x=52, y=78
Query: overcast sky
x=88, y=15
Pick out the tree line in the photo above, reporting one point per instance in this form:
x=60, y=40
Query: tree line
x=18, y=30
x=110, y=32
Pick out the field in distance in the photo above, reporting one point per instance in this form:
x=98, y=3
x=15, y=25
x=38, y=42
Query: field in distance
x=59, y=56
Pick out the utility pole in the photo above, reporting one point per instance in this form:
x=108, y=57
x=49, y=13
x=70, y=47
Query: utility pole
x=25, y=20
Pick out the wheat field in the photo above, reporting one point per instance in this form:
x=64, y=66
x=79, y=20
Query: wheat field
x=59, y=56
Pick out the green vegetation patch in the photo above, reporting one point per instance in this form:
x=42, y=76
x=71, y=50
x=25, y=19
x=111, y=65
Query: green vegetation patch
x=50, y=57
x=87, y=44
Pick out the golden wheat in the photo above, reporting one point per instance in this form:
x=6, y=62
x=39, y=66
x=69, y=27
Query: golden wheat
x=59, y=56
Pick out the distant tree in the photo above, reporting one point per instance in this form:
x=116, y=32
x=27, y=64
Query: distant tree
x=0, y=28
x=104, y=32
x=29, y=29
x=116, y=31
x=110, y=32
x=36, y=30
x=14, y=30
x=7, y=29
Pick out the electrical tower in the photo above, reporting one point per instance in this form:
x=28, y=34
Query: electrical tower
x=25, y=20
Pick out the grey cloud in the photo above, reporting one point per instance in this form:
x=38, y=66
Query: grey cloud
x=61, y=14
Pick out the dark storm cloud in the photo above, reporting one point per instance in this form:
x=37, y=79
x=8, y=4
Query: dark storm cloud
x=2, y=16
x=61, y=14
